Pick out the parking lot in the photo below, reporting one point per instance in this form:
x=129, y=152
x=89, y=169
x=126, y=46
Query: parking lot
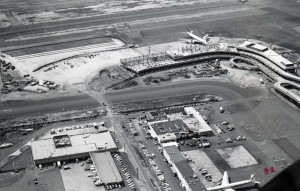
x=125, y=171
x=76, y=179
x=151, y=153
x=202, y=162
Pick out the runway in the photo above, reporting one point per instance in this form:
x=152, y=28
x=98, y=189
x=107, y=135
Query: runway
x=104, y=46
x=161, y=25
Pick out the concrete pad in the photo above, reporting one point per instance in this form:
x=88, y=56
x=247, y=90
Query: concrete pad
x=237, y=156
x=298, y=27
x=75, y=179
x=201, y=160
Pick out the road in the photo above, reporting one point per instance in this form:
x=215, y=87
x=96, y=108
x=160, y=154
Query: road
x=145, y=178
x=14, y=109
x=225, y=90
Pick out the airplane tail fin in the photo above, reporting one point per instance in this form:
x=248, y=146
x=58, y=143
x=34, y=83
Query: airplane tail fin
x=190, y=31
x=205, y=37
x=253, y=179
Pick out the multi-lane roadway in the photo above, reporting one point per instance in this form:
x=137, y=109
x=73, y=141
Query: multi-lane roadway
x=14, y=109
x=226, y=90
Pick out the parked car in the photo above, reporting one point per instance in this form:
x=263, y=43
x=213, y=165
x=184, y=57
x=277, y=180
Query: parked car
x=67, y=167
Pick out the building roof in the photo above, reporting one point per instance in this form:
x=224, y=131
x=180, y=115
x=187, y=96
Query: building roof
x=270, y=54
x=167, y=137
x=76, y=129
x=169, y=127
x=174, y=153
x=184, y=168
x=80, y=143
x=196, y=123
x=106, y=167
x=259, y=47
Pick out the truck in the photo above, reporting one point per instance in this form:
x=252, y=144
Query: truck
x=221, y=110
x=261, y=81
x=58, y=164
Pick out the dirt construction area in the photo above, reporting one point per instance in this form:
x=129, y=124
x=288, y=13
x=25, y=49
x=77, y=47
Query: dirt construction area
x=237, y=156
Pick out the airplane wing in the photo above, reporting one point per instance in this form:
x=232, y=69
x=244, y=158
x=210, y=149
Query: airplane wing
x=225, y=180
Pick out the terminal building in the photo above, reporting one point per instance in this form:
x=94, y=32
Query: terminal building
x=179, y=165
x=71, y=143
x=268, y=54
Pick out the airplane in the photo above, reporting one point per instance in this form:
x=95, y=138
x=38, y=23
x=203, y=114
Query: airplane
x=196, y=39
x=226, y=186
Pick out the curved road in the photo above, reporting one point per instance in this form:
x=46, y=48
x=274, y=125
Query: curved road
x=227, y=90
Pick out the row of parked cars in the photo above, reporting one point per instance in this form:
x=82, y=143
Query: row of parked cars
x=238, y=138
x=94, y=174
x=125, y=172
x=158, y=172
x=206, y=175
x=196, y=142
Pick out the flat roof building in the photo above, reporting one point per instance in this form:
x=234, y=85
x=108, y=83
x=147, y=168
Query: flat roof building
x=66, y=147
x=267, y=53
x=179, y=165
x=167, y=131
x=106, y=167
x=196, y=123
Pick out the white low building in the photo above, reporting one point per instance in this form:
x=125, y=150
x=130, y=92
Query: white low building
x=71, y=144
x=196, y=123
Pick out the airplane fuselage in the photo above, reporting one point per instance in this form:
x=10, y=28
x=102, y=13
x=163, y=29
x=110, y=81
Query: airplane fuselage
x=231, y=185
x=197, y=38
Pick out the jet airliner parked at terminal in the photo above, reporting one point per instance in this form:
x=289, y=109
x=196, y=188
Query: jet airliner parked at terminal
x=196, y=39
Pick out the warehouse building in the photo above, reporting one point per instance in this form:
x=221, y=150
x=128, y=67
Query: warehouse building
x=196, y=123
x=179, y=165
x=106, y=168
x=191, y=125
x=168, y=131
x=71, y=143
